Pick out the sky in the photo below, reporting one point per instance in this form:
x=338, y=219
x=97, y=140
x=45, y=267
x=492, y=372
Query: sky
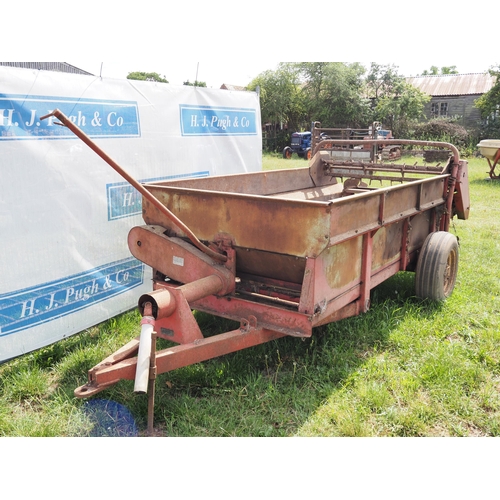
x=213, y=73
x=234, y=43
x=216, y=73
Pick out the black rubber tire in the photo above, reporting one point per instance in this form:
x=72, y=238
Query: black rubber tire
x=307, y=154
x=437, y=266
x=287, y=153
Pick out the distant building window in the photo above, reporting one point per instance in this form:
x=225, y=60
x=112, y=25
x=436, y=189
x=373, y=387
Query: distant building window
x=439, y=109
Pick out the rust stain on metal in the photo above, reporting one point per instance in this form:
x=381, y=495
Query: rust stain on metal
x=342, y=263
x=254, y=222
x=387, y=243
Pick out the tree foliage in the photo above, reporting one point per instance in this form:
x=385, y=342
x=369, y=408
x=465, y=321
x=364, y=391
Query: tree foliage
x=300, y=93
x=333, y=93
x=395, y=103
x=445, y=70
x=196, y=83
x=489, y=106
x=280, y=96
x=338, y=95
x=383, y=81
x=148, y=77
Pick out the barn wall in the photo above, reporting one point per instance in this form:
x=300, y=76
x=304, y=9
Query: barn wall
x=457, y=106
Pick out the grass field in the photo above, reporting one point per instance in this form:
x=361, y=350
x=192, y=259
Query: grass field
x=406, y=368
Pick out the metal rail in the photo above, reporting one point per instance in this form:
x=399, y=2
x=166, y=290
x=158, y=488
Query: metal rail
x=382, y=167
x=387, y=142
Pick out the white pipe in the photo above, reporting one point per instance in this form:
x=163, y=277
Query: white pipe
x=144, y=355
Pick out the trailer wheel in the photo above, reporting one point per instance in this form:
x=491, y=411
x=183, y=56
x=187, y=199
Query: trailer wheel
x=287, y=153
x=437, y=266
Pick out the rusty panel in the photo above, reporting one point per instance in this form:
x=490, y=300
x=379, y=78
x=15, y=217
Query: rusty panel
x=406, y=199
x=341, y=264
x=401, y=200
x=269, y=224
x=386, y=245
x=420, y=227
x=318, y=193
x=432, y=192
x=354, y=214
x=461, y=198
x=261, y=183
x=270, y=265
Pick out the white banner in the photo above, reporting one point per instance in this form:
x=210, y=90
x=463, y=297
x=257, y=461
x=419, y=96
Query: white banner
x=65, y=213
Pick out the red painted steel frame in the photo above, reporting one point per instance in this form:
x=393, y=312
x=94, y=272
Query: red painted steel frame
x=329, y=289
x=262, y=322
x=122, y=364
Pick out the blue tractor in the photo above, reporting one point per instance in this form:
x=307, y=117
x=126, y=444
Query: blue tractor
x=300, y=144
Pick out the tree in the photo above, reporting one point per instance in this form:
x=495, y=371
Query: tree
x=196, y=83
x=280, y=101
x=489, y=106
x=445, y=70
x=333, y=93
x=148, y=77
x=382, y=81
x=395, y=103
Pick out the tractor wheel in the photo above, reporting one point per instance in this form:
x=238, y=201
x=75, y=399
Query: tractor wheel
x=287, y=153
x=437, y=266
x=307, y=154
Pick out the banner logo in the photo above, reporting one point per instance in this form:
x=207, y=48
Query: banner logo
x=208, y=120
x=124, y=200
x=33, y=306
x=20, y=117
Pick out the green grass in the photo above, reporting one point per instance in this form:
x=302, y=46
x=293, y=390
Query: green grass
x=406, y=368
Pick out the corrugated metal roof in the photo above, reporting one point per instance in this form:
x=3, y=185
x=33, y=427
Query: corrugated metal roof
x=444, y=85
x=47, y=66
x=227, y=86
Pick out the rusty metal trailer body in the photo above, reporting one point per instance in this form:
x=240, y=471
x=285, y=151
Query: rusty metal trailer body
x=282, y=252
x=305, y=253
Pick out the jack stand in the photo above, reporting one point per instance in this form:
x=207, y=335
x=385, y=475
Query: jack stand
x=493, y=161
x=151, y=384
x=493, y=164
